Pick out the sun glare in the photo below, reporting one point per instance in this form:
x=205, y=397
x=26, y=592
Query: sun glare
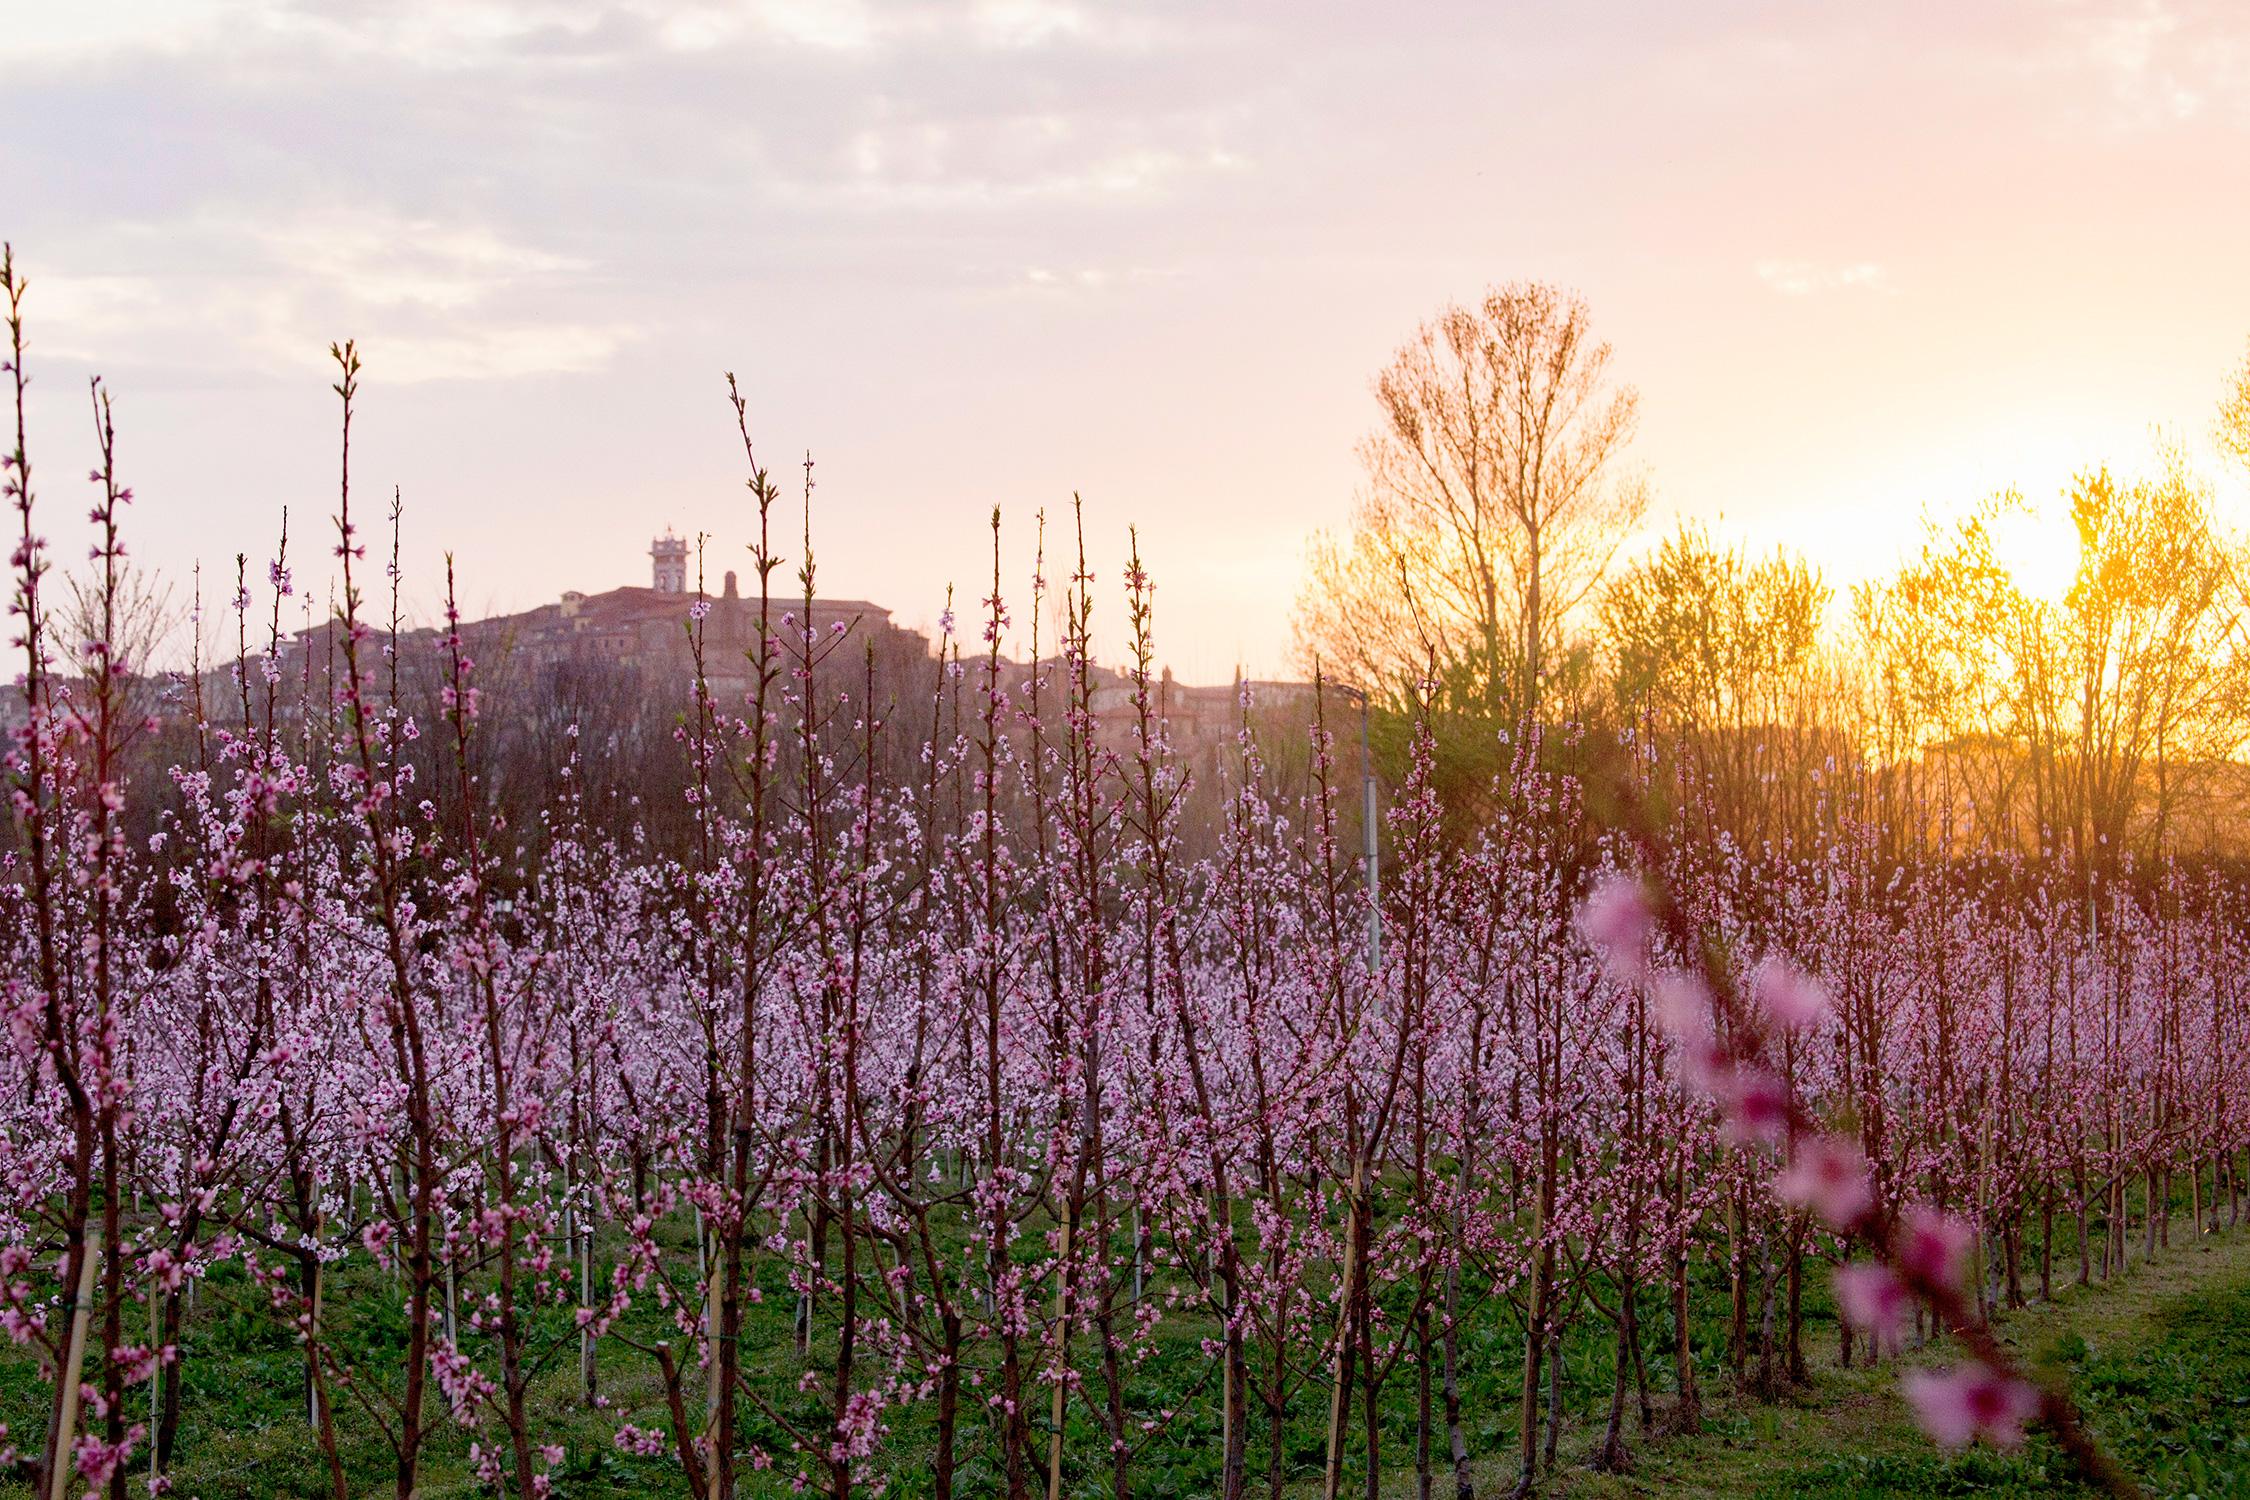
x=2039, y=548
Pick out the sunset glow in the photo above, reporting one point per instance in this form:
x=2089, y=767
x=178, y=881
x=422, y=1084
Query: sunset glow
x=2039, y=547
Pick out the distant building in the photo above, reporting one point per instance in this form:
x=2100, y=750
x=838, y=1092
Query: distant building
x=636, y=645
x=641, y=633
x=1198, y=722
x=649, y=628
x=668, y=555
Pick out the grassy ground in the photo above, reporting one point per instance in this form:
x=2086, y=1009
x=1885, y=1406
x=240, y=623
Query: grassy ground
x=2159, y=1360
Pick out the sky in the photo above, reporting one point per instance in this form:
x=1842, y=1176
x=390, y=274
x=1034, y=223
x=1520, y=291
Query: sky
x=1864, y=263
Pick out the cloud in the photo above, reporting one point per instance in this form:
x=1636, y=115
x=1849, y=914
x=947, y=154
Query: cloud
x=491, y=188
x=456, y=35
x=241, y=293
x=2137, y=66
x=499, y=352
x=1055, y=280
x=388, y=261
x=1801, y=278
x=573, y=124
x=60, y=34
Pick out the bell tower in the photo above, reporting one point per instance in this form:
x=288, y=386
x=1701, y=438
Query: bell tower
x=668, y=564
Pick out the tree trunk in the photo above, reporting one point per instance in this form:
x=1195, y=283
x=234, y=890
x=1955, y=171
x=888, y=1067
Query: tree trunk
x=1463, y=1487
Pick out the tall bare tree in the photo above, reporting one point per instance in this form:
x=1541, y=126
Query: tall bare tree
x=142, y=620
x=1496, y=494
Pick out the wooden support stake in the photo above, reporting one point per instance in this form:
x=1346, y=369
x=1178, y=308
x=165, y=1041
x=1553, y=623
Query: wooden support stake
x=66, y=1431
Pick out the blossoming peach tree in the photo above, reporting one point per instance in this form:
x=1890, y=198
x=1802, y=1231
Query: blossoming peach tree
x=985, y=1094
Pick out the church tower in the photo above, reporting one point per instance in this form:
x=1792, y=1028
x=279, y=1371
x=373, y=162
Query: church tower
x=668, y=560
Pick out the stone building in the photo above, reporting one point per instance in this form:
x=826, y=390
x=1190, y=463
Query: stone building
x=630, y=631
x=620, y=664
x=649, y=627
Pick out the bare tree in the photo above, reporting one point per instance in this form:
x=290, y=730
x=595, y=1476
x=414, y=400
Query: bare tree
x=142, y=620
x=1496, y=496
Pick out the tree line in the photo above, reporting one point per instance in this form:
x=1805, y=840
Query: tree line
x=1479, y=580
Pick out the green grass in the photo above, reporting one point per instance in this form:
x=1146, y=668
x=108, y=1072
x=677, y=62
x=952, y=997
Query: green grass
x=2160, y=1359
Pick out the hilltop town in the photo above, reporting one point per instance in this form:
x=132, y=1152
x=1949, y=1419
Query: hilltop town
x=636, y=640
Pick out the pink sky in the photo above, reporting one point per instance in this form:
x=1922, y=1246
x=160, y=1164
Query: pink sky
x=1864, y=262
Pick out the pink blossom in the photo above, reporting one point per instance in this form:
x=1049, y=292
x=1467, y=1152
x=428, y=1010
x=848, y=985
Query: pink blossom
x=1933, y=1247
x=164, y=1270
x=1870, y=1297
x=1705, y=1067
x=1616, y=919
x=1828, y=1175
x=1790, y=997
x=1968, y=1402
x=1757, y=1104
x=1683, y=1007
